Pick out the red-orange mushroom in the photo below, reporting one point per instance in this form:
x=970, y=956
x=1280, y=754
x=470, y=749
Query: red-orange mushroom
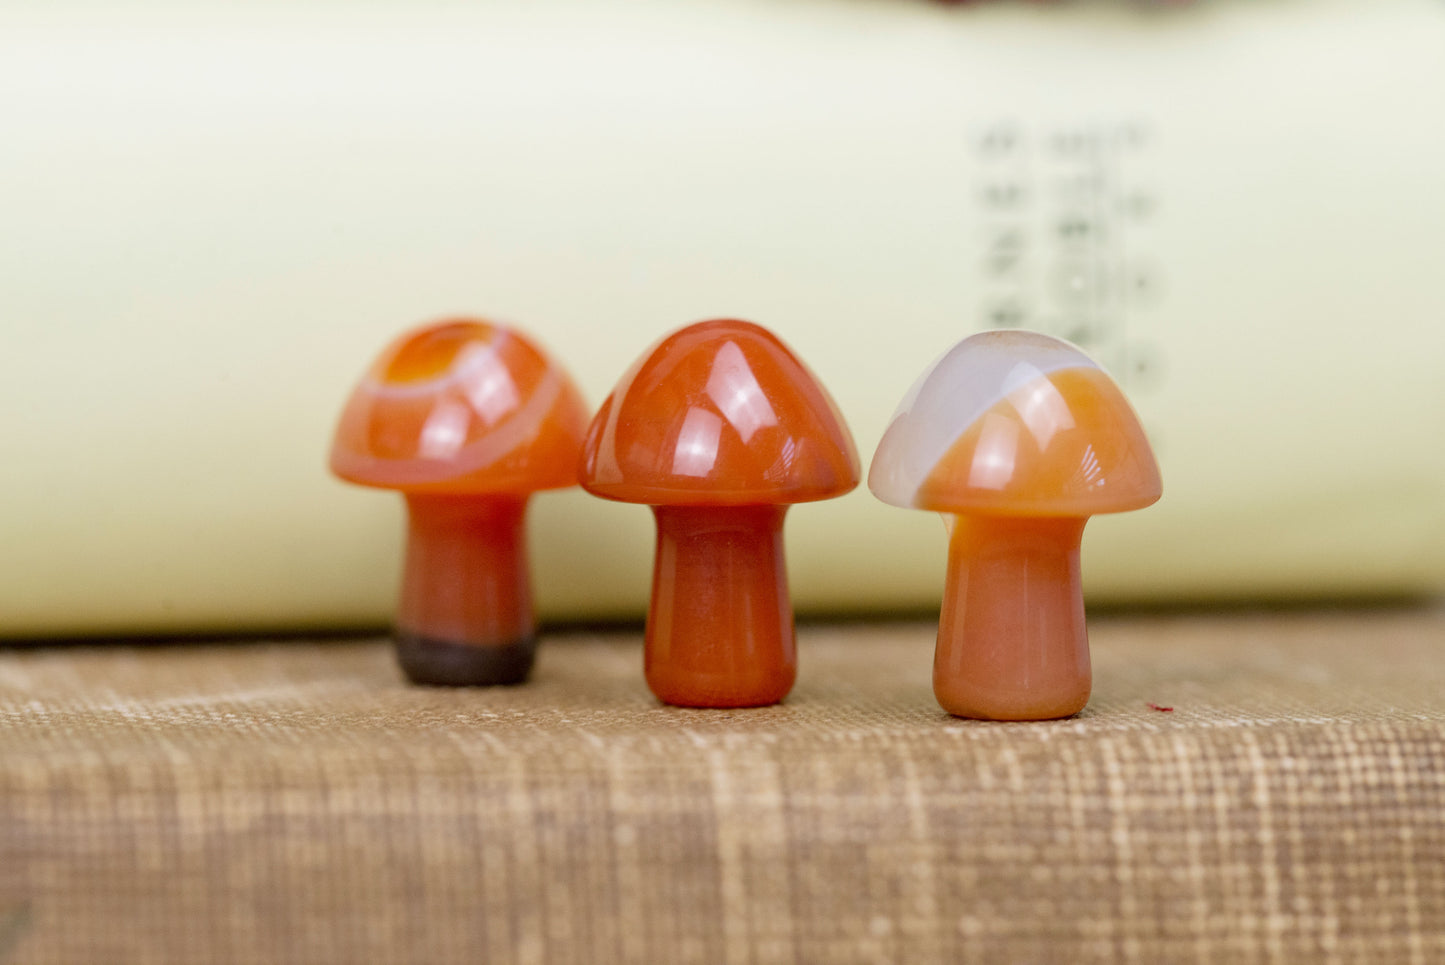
x=1018, y=438
x=719, y=427
x=466, y=419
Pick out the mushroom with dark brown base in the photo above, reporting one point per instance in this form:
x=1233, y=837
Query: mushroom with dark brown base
x=466, y=419
x=719, y=427
x=1018, y=438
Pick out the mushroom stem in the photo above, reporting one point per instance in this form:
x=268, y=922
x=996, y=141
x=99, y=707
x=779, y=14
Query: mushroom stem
x=720, y=630
x=1011, y=639
x=466, y=600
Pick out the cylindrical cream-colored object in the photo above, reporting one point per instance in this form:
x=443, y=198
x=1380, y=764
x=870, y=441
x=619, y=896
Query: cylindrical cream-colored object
x=213, y=218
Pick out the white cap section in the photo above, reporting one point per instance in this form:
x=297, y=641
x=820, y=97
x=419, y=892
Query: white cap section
x=953, y=392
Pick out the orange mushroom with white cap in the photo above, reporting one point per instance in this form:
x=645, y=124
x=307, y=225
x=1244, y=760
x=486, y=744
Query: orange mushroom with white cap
x=467, y=419
x=1018, y=438
x=719, y=427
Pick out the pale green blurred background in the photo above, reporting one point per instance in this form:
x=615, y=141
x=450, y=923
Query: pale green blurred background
x=211, y=219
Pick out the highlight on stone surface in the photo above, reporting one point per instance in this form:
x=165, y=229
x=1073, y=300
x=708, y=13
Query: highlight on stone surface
x=719, y=427
x=466, y=418
x=1018, y=438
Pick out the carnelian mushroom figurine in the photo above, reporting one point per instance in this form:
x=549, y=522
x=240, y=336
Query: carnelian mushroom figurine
x=719, y=428
x=1019, y=438
x=466, y=419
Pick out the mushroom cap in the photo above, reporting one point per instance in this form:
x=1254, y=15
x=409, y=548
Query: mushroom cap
x=461, y=407
x=1015, y=423
x=719, y=413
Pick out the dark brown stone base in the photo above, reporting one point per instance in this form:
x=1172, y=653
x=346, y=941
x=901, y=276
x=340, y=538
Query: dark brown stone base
x=445, y=663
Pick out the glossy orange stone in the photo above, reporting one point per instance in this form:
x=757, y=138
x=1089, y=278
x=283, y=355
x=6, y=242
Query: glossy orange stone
x=467, y=419
x=1018, y=438
x=719, y=427
x=1012, y=642
x=461, y=407
x=1084, y=453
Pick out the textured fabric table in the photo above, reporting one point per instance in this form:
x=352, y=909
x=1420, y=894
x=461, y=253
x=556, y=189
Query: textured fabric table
x=294, y=801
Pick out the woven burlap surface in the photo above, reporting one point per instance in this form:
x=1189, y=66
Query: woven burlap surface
x=295, y=801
